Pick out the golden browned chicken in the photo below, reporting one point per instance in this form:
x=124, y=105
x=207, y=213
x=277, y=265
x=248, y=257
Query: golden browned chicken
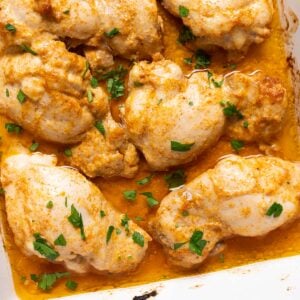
x=239, y=196
x=230, y=24
x=172, y=119
x=58, y=215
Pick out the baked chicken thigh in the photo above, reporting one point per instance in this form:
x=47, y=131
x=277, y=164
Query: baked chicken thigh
x=239, y=196
x=172, y=119
x=55, y=213
x=230, y=24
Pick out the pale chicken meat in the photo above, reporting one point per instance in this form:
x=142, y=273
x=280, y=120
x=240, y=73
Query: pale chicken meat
x=55, y=213
x=172, y=118
x=44, y=91
x=106, y=152
x=239, y=197
x=230, y=24
x=129, y=28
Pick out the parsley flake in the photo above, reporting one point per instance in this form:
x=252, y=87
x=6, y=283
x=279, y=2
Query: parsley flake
x=34, y=146
x=130, y=195
x=138, y=239
x=11, y=28
x=41, y=245
x=175, y=179
x=60, y=241
x=76, y=220
x=13, y=128
x=99, y=125
x=237, y=145
x=71, y=285
x=151, y=201
x=183, y=11
x=274, y=210
x=27, y=49
x=179, y=147
x=112, y=33
x=185, y=35
x=21, y=97
x=109, y=233
x=145, y=180
x=49, y=205
x=196, y=243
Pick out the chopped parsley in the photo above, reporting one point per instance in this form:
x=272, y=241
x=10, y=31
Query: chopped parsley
x=130, y=195
x=99, y=125
x=112, y=33
x=109, y=233
x=151, y=201
x=176, y=246
x=27, y=49
x=94, y=82
x=102, y=214
x=175, y=179
x=196, y=243
x=237, y=145
x=203, y=60
x=47, y=281
x=49, y=205
x=13, y=128
x=90, y=96
x=185, y=35
x=230, y=110
x=183, y=11
x=217, y=84
x=179, y=147
x=86, y=69
x=66, y=12
x=60, y=241
x=245, y=124
x=68, y=152
x=2, y=191
x=10, y=28
x=125, y=222
x=76, y=220
x=7, y=93
x=41, y=245
x=21, y=96
x=34, y=146
x=138, y=238
x=71, y=285
x=188, y=60
x=274, y=210
x=115, y=81
x=145, y=180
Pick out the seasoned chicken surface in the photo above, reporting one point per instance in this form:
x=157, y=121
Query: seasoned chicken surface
x=55, y=213
x=240, y=196
x=230, y=24
x=46, y=93
x=105, y=152
x=129, y=28
x=172, y=119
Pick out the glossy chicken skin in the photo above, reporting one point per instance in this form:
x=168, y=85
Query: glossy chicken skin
x=230, y=24
x=32, y=181
x=234, y=198
x=166, y=107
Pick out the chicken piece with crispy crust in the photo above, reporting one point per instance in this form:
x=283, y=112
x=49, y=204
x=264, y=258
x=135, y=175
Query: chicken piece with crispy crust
x=238, y=197
x=106, y=152
x=66, y=219
x=172, y=119
x=230, y=24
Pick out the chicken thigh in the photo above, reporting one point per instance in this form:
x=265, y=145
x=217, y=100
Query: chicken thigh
x=44, y=91
x=56, y=214
x=172, y=119
x=230, y=24
x=240, y=196
x=129, y=28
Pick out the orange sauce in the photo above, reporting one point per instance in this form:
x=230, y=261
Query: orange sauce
x=269, y=57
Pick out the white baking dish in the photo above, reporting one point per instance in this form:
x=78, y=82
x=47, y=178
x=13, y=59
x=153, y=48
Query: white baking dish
x=273, y=279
